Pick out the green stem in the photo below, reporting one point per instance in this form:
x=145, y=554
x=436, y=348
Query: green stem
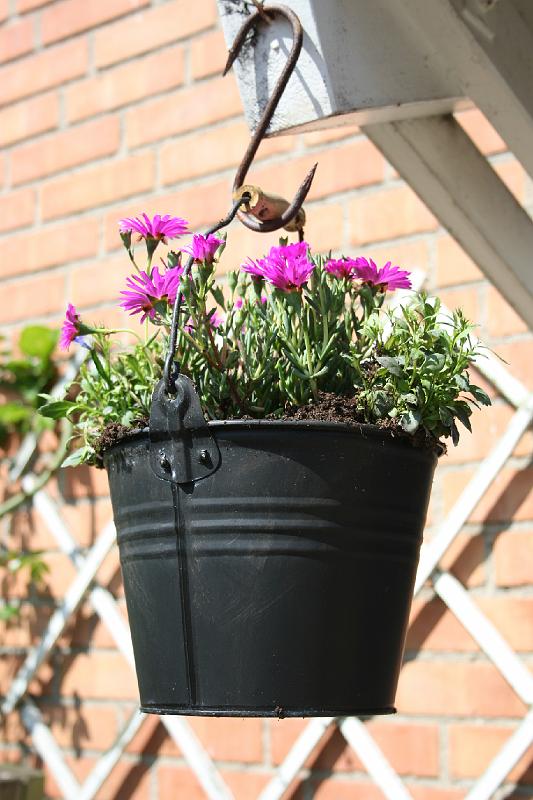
x=233, y=389
x=130, y=253
x=109, y=331
x=312, y=381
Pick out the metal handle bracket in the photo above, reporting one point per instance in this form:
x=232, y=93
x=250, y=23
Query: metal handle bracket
x=182, y=448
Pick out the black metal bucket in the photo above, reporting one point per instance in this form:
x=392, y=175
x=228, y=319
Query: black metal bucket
x=280, y=583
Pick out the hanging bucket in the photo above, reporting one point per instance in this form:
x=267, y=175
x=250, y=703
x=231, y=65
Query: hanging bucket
x=268, y=566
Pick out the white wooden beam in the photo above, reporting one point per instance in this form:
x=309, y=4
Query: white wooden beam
x=362, y=743
x=49, y=750
x=460, y=603
x=458, y=184
x=60, y=618
x=487, y=46
x=295, y=760
x=361, y=62
x=472, y=493
x=107, y=762
x=500, y=766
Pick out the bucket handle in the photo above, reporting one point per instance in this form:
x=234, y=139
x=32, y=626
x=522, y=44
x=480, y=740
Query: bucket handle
x=182, y=448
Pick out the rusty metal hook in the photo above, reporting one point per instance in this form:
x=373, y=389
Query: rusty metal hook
x=263, y=212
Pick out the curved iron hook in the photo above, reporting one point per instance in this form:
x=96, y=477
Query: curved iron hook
x=292, y=210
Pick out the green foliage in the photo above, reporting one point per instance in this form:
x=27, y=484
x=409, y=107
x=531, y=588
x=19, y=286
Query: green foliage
x=254, y=350
x=417, y=372
x=13, y=562
x=32, y=563
x=111, y=387
x=24, y=379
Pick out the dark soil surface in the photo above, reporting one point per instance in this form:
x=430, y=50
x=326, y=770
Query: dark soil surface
x=329, y=408
x=114, y=433
x=341, y=408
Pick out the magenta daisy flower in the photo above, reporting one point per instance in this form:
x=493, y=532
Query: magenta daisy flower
x=147, y=294
x=341, y=267
x=286, y=267
x=71, y=327
x=387, y=278
x=160, y=228
x=203, y=248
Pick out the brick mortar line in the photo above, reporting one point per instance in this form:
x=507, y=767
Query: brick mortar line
x=37, y=30
x=106, y=209
x=54, y=269
x=123, y=152
x=102, y=25
x=24, y=14
x=92, y=69
x=266, y=744
x=23, y=98
x=134, y=198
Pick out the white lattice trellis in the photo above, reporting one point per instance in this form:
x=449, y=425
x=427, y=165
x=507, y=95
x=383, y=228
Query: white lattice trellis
x=449, y=589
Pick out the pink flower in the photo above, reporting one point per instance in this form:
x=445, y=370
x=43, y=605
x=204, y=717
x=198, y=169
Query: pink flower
x=71, y=327
x=147, y=291
x=203, y=248
x=238, y=303
x=161, y=228
x=387, y=277
x=341, y=267
x=286, y=267
x=216, y=319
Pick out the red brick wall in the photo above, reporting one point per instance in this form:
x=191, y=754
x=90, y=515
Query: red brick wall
x=111, y=108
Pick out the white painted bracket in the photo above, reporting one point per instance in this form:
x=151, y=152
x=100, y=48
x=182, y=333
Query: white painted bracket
x=487, y=45
x=458, y=184
x=367, y=63
x=361, y=62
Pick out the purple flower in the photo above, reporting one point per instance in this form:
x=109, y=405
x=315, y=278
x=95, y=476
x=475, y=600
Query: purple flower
x=147, y=291
x=387, y=277
x=238, y=303
x=161, y=228
x=216, y=319
x=286, y=267
x=203, y=248
x=341, y=267
x=71, y=327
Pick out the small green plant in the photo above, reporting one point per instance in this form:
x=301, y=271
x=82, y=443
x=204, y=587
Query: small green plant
x=13, y=562
x=282, y=331
x=22, y=380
